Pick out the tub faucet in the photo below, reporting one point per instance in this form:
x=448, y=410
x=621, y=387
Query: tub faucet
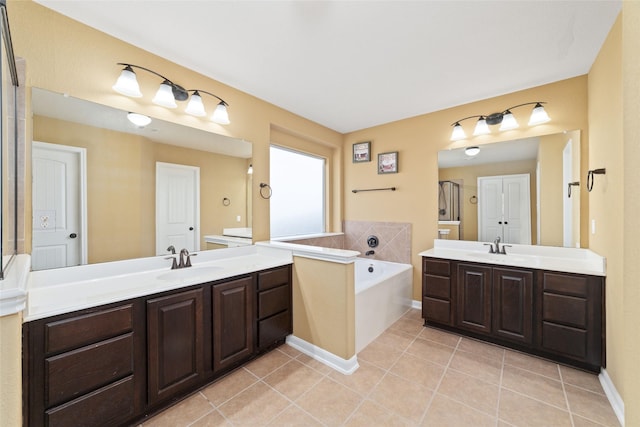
x=369, y=253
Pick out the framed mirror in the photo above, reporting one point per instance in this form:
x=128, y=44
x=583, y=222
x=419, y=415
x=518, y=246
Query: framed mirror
x=8, y=154
x=114, y=175
x=548, y=214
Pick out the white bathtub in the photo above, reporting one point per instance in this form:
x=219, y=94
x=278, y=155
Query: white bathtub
x=383, y=295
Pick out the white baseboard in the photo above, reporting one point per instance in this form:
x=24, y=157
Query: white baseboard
x=341, y=365
x=612, y=394
x=416, y=304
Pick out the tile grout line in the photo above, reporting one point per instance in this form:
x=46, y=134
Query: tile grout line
x=504, y=357
x=566, y=397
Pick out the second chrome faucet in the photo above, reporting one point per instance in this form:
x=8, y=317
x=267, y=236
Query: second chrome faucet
x=185, y=258
x=497, y=249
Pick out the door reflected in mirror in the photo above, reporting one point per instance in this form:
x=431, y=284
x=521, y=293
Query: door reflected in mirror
x=92, y=164
x=478, y=198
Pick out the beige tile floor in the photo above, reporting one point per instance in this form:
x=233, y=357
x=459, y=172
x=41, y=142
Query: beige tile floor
x=409, y=376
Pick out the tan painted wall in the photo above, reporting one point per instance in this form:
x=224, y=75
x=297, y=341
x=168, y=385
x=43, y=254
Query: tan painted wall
x=469, y=175
x=631, y=224
x=324, y=305
x=10, y=370
x=607, y=200
x=121, y=186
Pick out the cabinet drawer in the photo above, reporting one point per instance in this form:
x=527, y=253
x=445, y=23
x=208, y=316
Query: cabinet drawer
x=566, y=284
x=436, y=267
x=274, y=328
x=436, y=310
x=86, y=329
x=86, y=369
x=273, y=278
x=109, y=406
x=437, y=287
x=565, y=309
x=273, y=301
x=565, y=340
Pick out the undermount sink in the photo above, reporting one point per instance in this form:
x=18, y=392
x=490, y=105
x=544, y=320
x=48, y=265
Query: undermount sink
x=188, y=273
x=496, y=257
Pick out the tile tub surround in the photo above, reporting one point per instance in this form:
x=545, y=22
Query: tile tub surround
x=409, y=376
x=568, y=260
x=394, y=237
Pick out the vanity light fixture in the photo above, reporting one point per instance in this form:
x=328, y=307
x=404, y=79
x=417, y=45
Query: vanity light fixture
x=250, y=170
x=139, y=120
x=505, y=119
x=168, y=93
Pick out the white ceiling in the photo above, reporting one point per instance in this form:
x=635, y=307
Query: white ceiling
x=508, y=151
x=350, y=65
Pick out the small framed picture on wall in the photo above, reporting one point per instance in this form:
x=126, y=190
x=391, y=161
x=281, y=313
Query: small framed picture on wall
x=388, y=162
x=362, y=152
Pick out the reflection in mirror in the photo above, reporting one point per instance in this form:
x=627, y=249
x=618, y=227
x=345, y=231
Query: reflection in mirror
x=516, y=190
x=105, y=189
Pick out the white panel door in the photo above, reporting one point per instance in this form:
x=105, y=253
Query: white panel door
x=517, y=209
x=177, y=207
x=504, y=209
x=489, y=208
x=58, y=231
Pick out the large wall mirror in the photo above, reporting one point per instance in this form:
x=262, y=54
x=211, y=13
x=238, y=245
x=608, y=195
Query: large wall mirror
x=105, y=189
x=8, y=153
x=524, y=191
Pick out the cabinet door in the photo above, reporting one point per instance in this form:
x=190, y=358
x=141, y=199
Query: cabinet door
x=174, y=343
x=473, y=311
x=233, y=318
x=513, y=305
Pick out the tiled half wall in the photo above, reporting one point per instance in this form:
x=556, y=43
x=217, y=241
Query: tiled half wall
x=394, y=240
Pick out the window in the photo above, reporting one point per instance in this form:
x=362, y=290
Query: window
x=297, y=202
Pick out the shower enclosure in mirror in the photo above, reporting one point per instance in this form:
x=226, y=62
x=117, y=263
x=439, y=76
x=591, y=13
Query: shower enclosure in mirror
x=8, y=154
x=129, y=182
x=551, y=162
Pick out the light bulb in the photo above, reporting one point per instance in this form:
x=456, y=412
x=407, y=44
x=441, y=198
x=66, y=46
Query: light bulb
x=538, y=115
x=127, y=84
x=195, y=106
x=508, y=121
x=164, y=96
x=481, y=127
x=472, y=151
x=458, y=132
x=250, y=170
x=220, y=115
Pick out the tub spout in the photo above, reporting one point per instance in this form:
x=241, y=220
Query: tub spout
x=369, y=253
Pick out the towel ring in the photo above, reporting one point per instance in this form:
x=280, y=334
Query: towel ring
x=226, y=201
x=269, y=190
x=473, y=200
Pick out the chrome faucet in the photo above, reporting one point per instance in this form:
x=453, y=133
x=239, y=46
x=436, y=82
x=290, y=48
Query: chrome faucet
x=172, y=249
x=494, y=248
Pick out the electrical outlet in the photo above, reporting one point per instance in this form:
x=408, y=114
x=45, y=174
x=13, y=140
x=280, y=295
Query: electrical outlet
x=593, y=226
x=238, y=218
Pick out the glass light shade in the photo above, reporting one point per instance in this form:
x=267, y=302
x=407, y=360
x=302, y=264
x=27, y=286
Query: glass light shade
x=538, y=115
x=220, y=115
x=481, y=127
x=127, y=84
x=472, y=151
x=164, y=96
x=139, y=119
x=508, y=121
x=250, y=170
x=458, y=132
x=195, y=106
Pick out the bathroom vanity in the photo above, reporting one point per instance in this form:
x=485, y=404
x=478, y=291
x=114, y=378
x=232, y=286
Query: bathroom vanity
x=541, y=300
x=120, y=358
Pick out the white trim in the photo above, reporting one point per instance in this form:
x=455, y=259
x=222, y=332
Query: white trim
x=82, y=153
x=340, y=256
x=612, y=394
x=323, y=356
x=13, y=294
x=416, y=304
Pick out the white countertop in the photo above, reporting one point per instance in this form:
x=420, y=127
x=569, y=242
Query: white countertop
x=52, y=292
x=568, y=260
x=227, y=240
x=340, y=256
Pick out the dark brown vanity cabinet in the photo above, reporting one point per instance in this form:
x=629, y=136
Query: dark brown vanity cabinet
x=552, y=314
x=232, y=322
x=85, y=368
x=274, y=306
x=175, y=343
x=114, y=364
